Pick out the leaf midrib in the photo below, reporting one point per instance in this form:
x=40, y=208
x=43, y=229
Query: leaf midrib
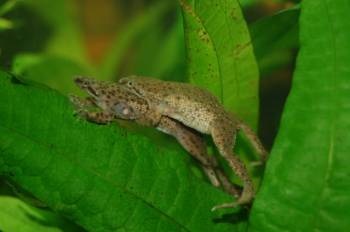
x=212, y=43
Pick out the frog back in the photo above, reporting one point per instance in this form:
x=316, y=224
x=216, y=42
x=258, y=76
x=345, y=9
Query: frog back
x=191, y=105
x=175, y=92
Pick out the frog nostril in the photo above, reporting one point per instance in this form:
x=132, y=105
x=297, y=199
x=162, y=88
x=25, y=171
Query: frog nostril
x=81, y=81
x=78, y=80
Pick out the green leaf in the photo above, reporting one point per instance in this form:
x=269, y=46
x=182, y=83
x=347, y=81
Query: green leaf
x=220, y=54
x=247, y=3
x=17, y=216
x=164, y=55
x=306, y=186
x=44, y=27
x=111, y=65
x=65, y=34
x=275, y=32
x=5, y=24
x=102, y=177
x=273, y=37
x=7, y=6
x=55, y=71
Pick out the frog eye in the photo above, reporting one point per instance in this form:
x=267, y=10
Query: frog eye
x=129, y=83
x=126, y=81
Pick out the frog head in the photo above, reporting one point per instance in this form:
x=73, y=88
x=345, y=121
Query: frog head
x=113, y=98
x=94, y=88
x=141, y=86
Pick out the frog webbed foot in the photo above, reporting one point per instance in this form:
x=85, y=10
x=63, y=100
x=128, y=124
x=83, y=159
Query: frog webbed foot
x=80, y=105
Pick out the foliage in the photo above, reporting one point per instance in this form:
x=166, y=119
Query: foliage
x=118, y=177
x=282, y=28
x=102, y=177
x=220, y=54
x=306, y=183
x=15, y=215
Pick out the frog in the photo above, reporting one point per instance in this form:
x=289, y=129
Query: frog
x=197, y=108
x=183, y=111
x=108, y=102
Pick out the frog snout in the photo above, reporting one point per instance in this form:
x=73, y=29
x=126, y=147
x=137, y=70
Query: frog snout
x=81, y=81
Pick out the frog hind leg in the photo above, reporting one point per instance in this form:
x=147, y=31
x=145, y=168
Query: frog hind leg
x=194, y=144
x=254, y=140
x=224, y=139
x=227, y=185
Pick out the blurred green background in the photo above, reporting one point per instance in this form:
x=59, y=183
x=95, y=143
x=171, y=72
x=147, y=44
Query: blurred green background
x=49, y=42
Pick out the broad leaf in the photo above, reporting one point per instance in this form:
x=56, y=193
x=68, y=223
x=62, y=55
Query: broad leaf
x=306, y=186
x=5, y=24
x=273, y=39
x=102, y=177
x=220, y=54
x=54, y=71
x=41, y=26
x=65, y=35
x=7, y=6
x=162, y=53
x=275, y=32
x=112, y=63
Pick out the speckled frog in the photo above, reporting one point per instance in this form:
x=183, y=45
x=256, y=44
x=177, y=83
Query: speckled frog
x=181, y=110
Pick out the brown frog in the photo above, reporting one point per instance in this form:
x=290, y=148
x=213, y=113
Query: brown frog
x=178, y=109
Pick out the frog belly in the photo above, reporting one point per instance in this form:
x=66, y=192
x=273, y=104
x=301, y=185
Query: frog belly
x=194, y=121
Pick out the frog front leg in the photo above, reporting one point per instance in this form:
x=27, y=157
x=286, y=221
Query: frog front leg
x=194, y=144
x=83, y=110
x=223, y=133
x=81, y=104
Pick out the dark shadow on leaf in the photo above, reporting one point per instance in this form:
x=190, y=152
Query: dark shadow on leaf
x=15, y=80
x=234, y=218
x=52, y=220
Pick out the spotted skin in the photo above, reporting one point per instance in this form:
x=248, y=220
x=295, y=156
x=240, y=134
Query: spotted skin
x=100, y=107
x=198, y=109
